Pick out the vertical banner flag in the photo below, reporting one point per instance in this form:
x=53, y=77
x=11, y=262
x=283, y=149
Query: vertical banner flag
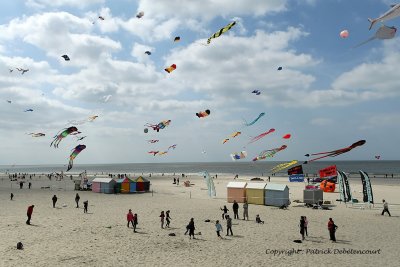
x=367, y=188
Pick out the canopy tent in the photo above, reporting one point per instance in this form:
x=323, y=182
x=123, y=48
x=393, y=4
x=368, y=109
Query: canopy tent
x=103, y=185
x=236, y=191
x=255, y=193
x=276, y=195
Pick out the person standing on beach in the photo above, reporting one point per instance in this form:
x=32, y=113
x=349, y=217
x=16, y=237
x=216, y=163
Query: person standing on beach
x=11, y=196
x=191, y=228
x=77, y=198
x=29, y=214
x=228, y=225
x=305, y=225
x=245, y=210
x=385, y=208
x=301, y=225
x=332, y=229
x=129, y=218
x=21, y=184
x=162, y=216
x=225, y=209
x=218, y=226
x=85, y=206
x=167, y=218
x=177, y=181
x=235, y=208
x=30, y=185
x=135, y=222
x=54, y=201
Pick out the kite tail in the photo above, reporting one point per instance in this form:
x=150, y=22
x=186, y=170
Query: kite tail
x=366, y=41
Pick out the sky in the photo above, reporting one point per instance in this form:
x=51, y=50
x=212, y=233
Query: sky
x=328, y=94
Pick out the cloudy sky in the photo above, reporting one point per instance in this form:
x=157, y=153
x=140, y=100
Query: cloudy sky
x=327, y=96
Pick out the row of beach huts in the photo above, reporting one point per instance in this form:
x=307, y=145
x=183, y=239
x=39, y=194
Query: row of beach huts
x=124, y=185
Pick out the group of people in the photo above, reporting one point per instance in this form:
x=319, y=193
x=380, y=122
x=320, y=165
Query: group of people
x=133, y=219
x=332, y=227
x=235, y=208
x=165, y=217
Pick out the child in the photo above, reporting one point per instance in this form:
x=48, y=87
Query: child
x=129, y=218
x=258, y=219
x=162, y=216
x=225, y=209
x=85, y=206
x=219, y=228
x=135, y=222
x=167, y=218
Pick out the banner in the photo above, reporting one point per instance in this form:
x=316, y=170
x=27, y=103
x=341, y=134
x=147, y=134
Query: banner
x=347, y=188
x=341, y=186
x=329, y=171
x=295, y=170
x=367, y=189
x=296, y=178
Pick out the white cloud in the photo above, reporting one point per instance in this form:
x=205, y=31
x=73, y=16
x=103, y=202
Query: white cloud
x=60, y=3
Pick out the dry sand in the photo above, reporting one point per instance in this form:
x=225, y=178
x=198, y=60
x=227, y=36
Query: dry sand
x=65, y=236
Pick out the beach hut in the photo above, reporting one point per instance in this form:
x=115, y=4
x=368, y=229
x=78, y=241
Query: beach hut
x=313, y=196
x=276, y=195
x=142, y=184
x=123, y=185
x=103, y=185
x=255, y=193
x=236, y=191
x=132, y=186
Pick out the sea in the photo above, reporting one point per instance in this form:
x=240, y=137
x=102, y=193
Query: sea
x=379, y=168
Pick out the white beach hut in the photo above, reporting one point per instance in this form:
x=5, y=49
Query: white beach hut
x=276, y=195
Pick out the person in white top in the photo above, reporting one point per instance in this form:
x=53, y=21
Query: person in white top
x=385, y=207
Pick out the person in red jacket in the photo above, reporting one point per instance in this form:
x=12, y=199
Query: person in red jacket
x=129, y=218
x=332, y=229
x=29, y=214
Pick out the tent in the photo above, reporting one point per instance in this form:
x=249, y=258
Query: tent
x=255, y=193
x=276, y=195
x=313, y=196
x=123, y=185
x=236, y=191
x=142, y=184
x=327, y=186
x=103, y=185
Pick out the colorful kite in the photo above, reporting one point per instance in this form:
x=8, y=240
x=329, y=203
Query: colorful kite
x=80, y=122
x=287, y=136
x=269, y=153
x=378, y=157
x=225, y=140
x=202, y=114
x=173, y=147
x=257, y=92
x=384, y=32
x=235, y=134
x=162, y=153
x=258, y=137
x=221, y=31
x=392, y=13
x=344, y=34
x=334, y=153
x=153, y=152
x=37, y=134
x=177, y=39
x=170, y=68
x=157, y=127
x=64, y=133
x=283, y=166
x=140, y=14
x=255, y=120
x=152, y=141
x=66, y=58
x=75, y=152
x=237, y=156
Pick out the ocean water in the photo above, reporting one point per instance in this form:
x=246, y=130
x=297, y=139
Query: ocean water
x=377, y=167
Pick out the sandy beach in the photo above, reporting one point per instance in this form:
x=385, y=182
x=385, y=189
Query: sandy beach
x=65, y=236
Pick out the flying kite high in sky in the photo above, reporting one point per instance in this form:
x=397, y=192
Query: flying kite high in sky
x=257, y=92
x=177, y=39
x=66, y=58
x=106, y=98
x=170, y=68
x=153, y=152
x=269, y=153
x=172, y=147
x=28, y=110
x=335, y=153
x=378, y=157
x=75, y=152
x=37, y=134
x=9, y=101
x=221, y=31
x=202, y=114
x=237, y=156
x=140, y=14
x=157, y=127
x=80, y=122
x=258, y=137
x=101, y=18
x=384, y=32
x=283, y=166
x=287, y=136
x=64, y=133
x=152, y=141
x=280, y=68
x=344, y=34
x=392, y=13
x=22, y=70
x=148, y=53
x=255, y=120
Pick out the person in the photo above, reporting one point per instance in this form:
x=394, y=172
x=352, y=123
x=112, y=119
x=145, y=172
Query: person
x=228, y=225
x=225, y=209
x=245, y=210
x=269, y=178
x=235, y=208
x=54, y=201
x=216, y=176
x=191, y=228
x=29, y=214
x=135, y=222
x=302, y=227
x=129, y=218
x=177, y=181
x=385, y=208
x=85, y=206
x=258, y=219
x=77, y=198
x=218, y=226
x=11, y=196
x=21, y=184
x=162, y=216
x=305, y=225
x=30, y=185
x=174, y=181
x=332, y=229
x=308, y=180
x=167, y=218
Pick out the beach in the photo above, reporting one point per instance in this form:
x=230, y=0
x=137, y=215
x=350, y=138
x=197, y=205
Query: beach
x=65, y=236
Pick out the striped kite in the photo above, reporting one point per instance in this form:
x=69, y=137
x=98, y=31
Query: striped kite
x=157, y=127
x=170, y=68
x=258, y=137
x=152, y=141
x=221, y=31
x=283, y=166
x=269, y=153
x=232, y=135
x=255, y=120
x=75, y=152
x=237, y=156
x=64, y=133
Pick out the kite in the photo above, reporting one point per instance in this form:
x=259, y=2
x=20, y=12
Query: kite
x=225, y=140
x=283, y=166
x=203, y=152
x=29, y=109
x=286, y=136
x=390, y=14
x=152, y=141
x=173, y=147
x=64, y=133
x=232, y=135
x=221, y=31
x=75, y=152
x=101, y=17
x=22, y=70
x=170, y=68
x=237, y=156
x=258, y=137
x=202, y=114
x=37, y=134
x=79, y=138
x=344, y=34
x=80, y=122
x=378, y=157
x=157, y=127
x=384, y=32
x=11, y=70
x=335, y=153
x=269, y=153
x=255, y=120
x=146, y=130
x=257, y=92
x=280, y=68
x=162, y=153
x=140, y=14
x=66, y=58
x=177, y=39
x=153, y=152
x=106, y=98
x=148, y=53
x=9, y=101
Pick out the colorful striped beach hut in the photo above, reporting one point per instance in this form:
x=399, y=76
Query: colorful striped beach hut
x=142, y=184
x=123, y=185
x=255, y=193
x=103, y=185
x=132, y=186
x=236, y=191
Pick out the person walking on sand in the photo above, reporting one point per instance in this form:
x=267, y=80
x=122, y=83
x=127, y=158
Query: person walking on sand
x=135, y=222
x=191, y=228
x=11, y=196
x=29, y=214
x=228, y=225
x=225, y=210
x=305, y=225
x=385, y=208
x=235, y=208
x=167, y=218
x=332, y=229
x=129, y=218
x=301, y=225
x=162, y=217
x=77, y=198
x=54, y=200
x=30, y=185
x=245, y=210
x=85, y=206
x=218, y=226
